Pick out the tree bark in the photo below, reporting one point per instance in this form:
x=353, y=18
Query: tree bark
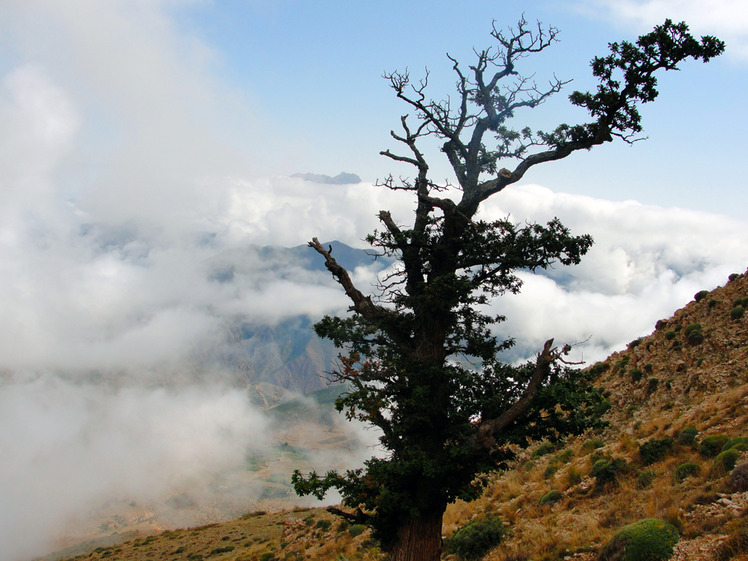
x=419, y=539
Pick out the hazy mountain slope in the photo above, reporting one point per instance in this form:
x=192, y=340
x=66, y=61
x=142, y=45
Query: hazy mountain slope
x=657, y=387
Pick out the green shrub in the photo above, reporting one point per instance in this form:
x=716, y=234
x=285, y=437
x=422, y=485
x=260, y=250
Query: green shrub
x=550, y=497
x=267, y=556
x=700, y=295
x=669, y=334
x=652, y=384
x=686, y=470
x=650, y=539
x=591, y=445
x=607, y=470
x=713, y=303
x=219, y=550
x=636, y=374
x=654, y=450
x=734, y=276
x=550, y=470
x=691, y=329
x=323, y=524
x=646, y=478
x=687, y=436
x=598, y=368
x=712, y=445
x=695, y=338
x=476, y=538
x=737, y=312
x=635, y=343
x=563, y=456
x=621, y=364
x=544, y=449
x=648, y=368
x=357, y=530
x=725, y=461
x=739, y=443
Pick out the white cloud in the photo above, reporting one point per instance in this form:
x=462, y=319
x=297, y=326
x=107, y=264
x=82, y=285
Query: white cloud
x=647, y=262
x=727, y=19
x=70, y=447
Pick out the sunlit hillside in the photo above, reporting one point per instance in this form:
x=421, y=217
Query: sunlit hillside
x=679, y=397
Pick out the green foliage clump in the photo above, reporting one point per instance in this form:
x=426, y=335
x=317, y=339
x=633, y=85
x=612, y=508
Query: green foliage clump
x=592, y=445
x=636, y=374
x=686, y=470
x=357, y=530
x=323, y=524
x=621, y=364
x=550, y=497
x=598, y=368
x=733, y=276
x=606, y=470
x=563, y=456
x=652, y=384
x=544, y=449
x=700, y=295
x=476, y=538
x=670, y=334
x=712, y=445
x=654, y=450
x=646, y=478
x=267, y=556
x=739, y=443
x=693, y=334
x=635, y=343
x=687, y=437
x=649, y=539
x=725, y=461
x=737, y=312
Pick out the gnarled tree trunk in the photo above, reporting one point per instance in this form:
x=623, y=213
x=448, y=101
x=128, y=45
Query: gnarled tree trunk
x=419, y=539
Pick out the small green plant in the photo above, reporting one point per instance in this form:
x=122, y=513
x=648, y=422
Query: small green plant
x=692, y=328
x=650, y=539
x=733, y=276
x=552, y=496
x=646, y=478
x=737, y=312
x=544, y=449
x=636, y=374
x=654, y=450
x=267, y=556
x=686, y=470
x=700, y=295
x=592, y=445
x=219, y=550
x=712, y=445
x=739, y=443
x=635, y=343
x=652, y=384
x=687, y=436
x=323, y=525
x=725, y=461
x=713, y=303
x=476, y=538
x=563, y=456
x=607, y=470
x=357, y=530
x=598, y=368
x=670, y=334
x=621, y=364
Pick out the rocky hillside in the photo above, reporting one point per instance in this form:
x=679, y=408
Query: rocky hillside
x=678, y=397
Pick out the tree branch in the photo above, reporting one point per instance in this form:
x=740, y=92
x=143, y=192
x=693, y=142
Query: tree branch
x=489, y=427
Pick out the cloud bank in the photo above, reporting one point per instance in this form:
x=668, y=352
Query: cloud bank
x=727, y=19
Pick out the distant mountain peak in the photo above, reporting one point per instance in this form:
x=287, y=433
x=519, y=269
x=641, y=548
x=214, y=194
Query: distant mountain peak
x=342, y=178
